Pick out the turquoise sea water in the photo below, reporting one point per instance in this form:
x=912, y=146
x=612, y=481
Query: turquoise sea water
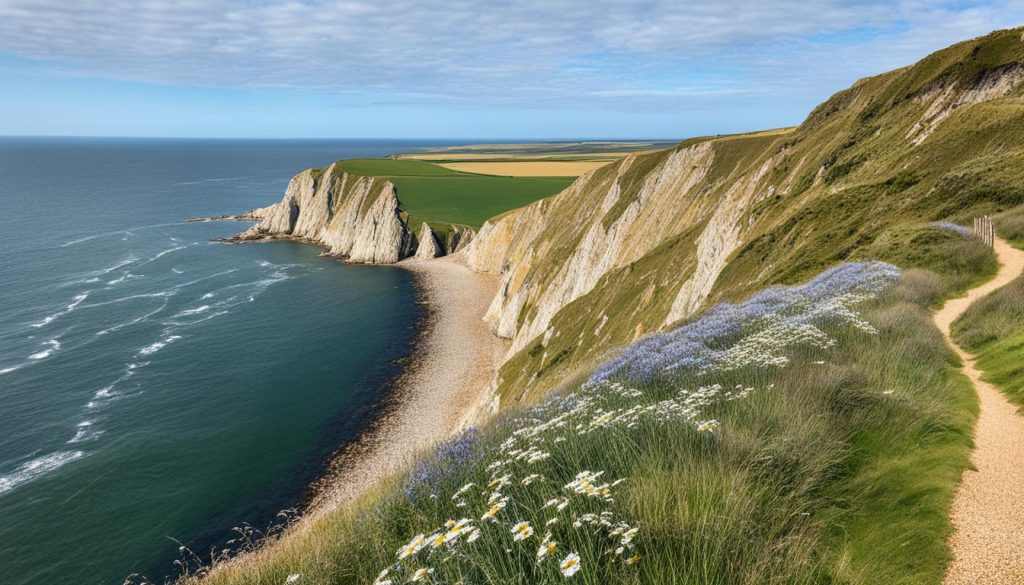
x=155, y=385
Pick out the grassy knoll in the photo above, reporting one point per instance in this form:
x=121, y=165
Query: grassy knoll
x=781, y=441
x=441, y=196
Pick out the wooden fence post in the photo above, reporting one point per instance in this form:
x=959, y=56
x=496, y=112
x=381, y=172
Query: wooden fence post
x=985, y=230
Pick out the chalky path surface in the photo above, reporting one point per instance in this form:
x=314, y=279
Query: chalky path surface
x=988, y=510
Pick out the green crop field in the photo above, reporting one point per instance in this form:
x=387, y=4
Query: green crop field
x=386, y=167
x=441, y=196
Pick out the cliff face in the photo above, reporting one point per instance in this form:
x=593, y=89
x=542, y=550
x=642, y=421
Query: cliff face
x=428, y=247
x=354, y=217
x=640, y=244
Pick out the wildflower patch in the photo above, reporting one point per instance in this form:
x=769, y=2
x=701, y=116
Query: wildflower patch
x=526, y=506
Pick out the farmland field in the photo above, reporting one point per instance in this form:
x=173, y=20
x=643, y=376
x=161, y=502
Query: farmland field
x=529, y=168
x=441, y=196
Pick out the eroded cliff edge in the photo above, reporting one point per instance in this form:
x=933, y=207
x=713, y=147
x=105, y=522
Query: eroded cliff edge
x=640, y=244
x=354, y=217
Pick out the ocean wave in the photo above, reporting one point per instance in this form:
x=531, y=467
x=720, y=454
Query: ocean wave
x=156, y=295
x=37, y=468
x=127, y=231
x=158, y=345
x=84, y=431
x=213, y=315
x=163, y=253
x=91, y=280
x=9, y=369
x=133, y=321
x=122, y=278
x=119, y=264
x=194, y=311
x=106, y=394
x=75, y=301
x=52, y=346
x=208, y=277
x=215, y=180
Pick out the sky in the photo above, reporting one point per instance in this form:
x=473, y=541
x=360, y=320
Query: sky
x=458, y=69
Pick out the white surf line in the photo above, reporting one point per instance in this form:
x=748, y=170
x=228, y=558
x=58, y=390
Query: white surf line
x=215, y=180
x=106, y=394
x=122, y=278
x=156, y=295
x=52, y=346
x=158, y=345
x=75, y=301
x=95, y=275
x=116, y=233
x=191, y=282
x=163, y=253
x=37, y=468
x=135, y=320
x=85, y=431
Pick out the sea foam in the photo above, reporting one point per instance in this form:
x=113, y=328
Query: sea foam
x=52, y=345
x=37, y=468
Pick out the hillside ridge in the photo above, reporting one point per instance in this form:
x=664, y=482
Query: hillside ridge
x=649, y=240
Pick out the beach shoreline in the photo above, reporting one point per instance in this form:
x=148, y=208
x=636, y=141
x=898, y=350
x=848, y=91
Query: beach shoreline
x=438, y=392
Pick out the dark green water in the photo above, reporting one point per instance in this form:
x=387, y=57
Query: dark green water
x=155, y=385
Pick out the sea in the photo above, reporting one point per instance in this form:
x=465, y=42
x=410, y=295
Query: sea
x=160, y=391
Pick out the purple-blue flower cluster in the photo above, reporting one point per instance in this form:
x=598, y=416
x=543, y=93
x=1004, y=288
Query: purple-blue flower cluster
x=953, y=227
x=430, y=473
x=700, y=344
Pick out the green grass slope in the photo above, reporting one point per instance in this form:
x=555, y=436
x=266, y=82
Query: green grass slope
x=858, y=179
x=993, y=327
x=441, y=197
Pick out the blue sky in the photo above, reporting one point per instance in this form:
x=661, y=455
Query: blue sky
x=453, y=68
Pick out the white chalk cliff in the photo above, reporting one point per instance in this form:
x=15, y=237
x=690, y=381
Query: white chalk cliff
x=428, y=246
x=640, y=244
x=352, y=216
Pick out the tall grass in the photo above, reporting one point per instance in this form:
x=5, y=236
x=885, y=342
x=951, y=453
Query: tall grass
x=962, y=260
x=819, y=441
x=997, y=316
x=992, y=328
x=1010, y=225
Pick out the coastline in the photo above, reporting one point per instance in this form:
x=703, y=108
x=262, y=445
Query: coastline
x=437, y=394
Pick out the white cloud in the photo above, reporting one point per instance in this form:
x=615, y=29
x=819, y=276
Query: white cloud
x=620, y=52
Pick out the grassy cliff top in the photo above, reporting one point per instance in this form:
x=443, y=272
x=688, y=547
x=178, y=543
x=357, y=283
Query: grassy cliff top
x=440, y=196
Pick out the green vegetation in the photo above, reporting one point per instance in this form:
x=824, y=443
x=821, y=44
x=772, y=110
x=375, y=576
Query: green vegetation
x=993, y=327
x=1010, y=225
x=993, y=330
x=441, y=197
x=837, y=468
x=963, y=261
x=847, y=184
x=470, y=199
